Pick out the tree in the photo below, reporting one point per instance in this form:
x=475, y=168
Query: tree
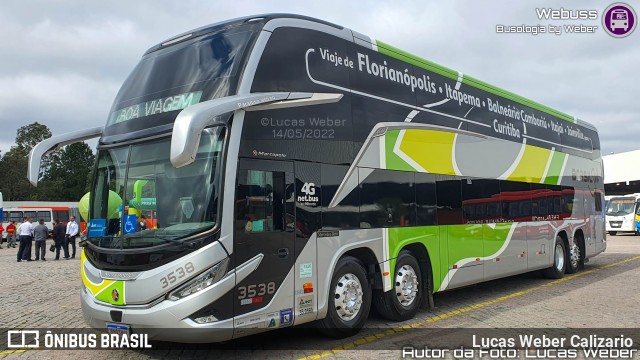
x=13, y=179
x=29, y=135
x=67, y=174
x=14, y=184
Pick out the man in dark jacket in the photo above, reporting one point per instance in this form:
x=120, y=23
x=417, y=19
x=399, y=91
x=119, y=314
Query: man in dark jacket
x=59, y=230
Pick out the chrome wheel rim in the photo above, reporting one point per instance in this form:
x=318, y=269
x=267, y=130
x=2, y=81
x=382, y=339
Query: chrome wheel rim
x=348, y=297
x=559, y=257
x=575, y=255
x=406, y=285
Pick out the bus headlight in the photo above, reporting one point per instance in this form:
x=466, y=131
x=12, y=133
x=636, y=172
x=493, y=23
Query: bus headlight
x=202, y=281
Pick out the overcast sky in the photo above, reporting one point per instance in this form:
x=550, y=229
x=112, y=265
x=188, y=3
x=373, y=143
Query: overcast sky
x=62, y=62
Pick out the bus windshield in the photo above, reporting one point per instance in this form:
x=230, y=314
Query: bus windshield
x=620, y=206
x=140, y=200
x=170, y=79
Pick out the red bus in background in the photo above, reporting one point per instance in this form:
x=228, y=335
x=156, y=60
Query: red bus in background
x=524, y=206
x=47, y=211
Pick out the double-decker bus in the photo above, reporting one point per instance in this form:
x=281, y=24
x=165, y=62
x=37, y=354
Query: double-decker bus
x=300, y=171
x=621, y=214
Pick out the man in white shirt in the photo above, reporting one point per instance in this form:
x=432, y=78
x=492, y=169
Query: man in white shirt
x=72, y=231
x=25, y=231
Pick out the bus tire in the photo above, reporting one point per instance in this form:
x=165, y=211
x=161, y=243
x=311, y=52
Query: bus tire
x=576, y=256
x=559, y=265
x=613, y=233
x=403, y=300
x=349, y=300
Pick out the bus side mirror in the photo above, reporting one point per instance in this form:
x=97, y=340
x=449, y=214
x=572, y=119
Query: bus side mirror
x=192, y=120
x=55, y=142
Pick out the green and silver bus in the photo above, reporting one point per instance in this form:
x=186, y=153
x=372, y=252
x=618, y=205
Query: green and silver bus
x=290, y=170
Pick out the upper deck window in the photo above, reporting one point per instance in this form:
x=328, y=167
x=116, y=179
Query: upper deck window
x=173, y=78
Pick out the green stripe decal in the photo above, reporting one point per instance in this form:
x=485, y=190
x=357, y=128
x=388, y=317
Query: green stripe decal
x=429, y=236
x=393, y=161
x=554, y=168
x=114, y=294
x=402, y=55
x=449, y=244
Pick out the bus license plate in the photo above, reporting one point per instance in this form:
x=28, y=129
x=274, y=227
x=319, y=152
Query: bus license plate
x=119, y=329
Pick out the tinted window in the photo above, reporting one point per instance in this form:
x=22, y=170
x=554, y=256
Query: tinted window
x=449, y=199
x=309, y=191
x=515, y=200
x=61, y=215
x=539, y=200
x=481, y=201
x=260, y=205
x=174, y=77
x=567, y=202
x=185, y=65
x=346, y=215
x=426, y=206
x=597, y=197
x=555, y=199
x=386, y=198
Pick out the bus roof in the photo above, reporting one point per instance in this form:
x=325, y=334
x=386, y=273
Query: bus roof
x=383, y=48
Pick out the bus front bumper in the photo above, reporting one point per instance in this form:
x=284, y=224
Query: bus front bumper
x=157, y=321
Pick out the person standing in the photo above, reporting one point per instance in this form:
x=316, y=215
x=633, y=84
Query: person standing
x=72, y=231
x=25, y=231
x=40, y=233
x=11, y=234
x=2, y=231
x=59, y=238
x=142, y=224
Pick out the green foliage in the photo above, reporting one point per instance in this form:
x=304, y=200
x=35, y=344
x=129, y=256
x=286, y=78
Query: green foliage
x=29, y=135
x=65, y=173
x=13, y=176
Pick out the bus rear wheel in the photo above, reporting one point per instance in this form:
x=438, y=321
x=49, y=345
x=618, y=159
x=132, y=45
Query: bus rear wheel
x=349, y=300
x=403, y=300
x=576, y=256
x=557, y=269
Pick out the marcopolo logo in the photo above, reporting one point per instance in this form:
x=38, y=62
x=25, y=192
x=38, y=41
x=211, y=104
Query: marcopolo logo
x=115, y=295
x=619, y=20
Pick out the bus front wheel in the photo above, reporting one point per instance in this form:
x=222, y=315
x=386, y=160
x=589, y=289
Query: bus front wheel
x=349, y=300
x=613, y=233
x=557, y=269
x=403, y=300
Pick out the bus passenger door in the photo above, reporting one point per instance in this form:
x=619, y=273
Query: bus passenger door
x=264, y=228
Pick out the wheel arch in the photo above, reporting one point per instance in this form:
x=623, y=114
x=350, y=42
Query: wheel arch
x=421, y=253
x=371, y=264
x=565, y=238
x=361, y=252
